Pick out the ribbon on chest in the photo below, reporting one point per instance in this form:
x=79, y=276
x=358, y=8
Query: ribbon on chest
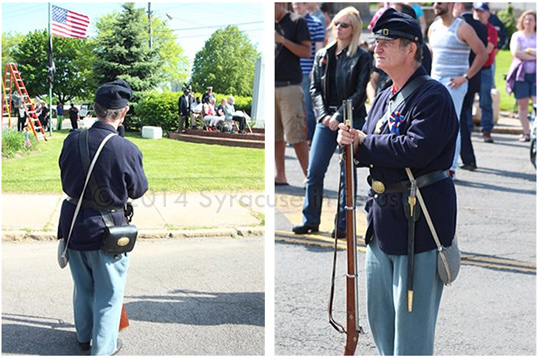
x=395, y=119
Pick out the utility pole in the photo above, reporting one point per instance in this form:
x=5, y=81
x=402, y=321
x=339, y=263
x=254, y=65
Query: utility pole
x=149, y=21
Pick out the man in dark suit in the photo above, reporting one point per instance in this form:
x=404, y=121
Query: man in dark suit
x=183, y=111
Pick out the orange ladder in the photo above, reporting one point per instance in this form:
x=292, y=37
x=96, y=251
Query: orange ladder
x=13, y=80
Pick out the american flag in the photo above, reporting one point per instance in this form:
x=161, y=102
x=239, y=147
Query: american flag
x=69, y=24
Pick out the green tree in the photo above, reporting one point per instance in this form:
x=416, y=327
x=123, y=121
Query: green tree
x=10, y=41
x=226, y=62
x=123, y=50
x=508, y=18
x=175, y=64
x=72, y=59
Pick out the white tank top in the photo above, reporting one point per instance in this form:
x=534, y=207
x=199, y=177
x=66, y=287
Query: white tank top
x=450, y=56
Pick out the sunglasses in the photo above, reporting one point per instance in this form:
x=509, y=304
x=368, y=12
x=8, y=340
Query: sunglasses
x=342, y=25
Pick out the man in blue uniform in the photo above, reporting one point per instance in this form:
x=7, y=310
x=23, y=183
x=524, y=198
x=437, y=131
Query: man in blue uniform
x=99, y=278
x=420, y=134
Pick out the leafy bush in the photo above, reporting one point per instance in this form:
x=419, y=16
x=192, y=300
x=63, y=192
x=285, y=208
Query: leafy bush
x=158, y=109
x=508, y=18
x=161, y=109
x=13, y=143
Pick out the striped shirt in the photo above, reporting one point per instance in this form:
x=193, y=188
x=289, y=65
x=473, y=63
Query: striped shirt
x=450, y=55
x=317, y=34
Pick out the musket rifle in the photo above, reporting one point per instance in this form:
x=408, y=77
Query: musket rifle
x=124, y=320
x=353, y=328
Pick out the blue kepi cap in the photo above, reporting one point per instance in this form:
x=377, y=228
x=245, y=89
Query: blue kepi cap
x=114, y=95
x=393, y=25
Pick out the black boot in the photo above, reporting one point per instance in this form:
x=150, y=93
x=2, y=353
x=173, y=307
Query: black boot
x=305, y=229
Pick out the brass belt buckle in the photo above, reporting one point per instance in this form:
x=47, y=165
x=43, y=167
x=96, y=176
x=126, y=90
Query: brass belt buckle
x=378, y=187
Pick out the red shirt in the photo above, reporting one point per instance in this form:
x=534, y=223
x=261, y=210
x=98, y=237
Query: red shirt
x=494, y=39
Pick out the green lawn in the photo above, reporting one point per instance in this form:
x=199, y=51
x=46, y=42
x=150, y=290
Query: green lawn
x=170, y=165
x=503, y=59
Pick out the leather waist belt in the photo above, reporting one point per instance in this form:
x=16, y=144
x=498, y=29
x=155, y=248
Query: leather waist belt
x=404, y=186
x=286, y=83
x=93, y=205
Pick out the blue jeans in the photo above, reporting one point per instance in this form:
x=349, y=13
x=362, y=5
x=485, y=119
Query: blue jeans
x=394, y=329
x=321, y=152
x=486, y=103
x=309, y=109
x=99, y=284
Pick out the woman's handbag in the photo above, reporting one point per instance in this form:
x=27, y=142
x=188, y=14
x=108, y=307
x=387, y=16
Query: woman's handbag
x=448, y=258
x=63, y=243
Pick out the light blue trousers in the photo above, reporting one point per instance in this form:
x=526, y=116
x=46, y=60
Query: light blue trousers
x=99, y=284
x=457, y=94
x=394, y=329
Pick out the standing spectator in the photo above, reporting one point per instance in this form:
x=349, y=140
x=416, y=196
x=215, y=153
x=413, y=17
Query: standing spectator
x=191, y=101
x=341, y=72
x=468, y=158
x=73, y=117
x=292, y=41
x=317, y=38
x=314, y=10
x=521, y=78
x=452, y=40
x=44, y=117
x=183, y=111
x=59, y=115
x=381, y=7
x=206, y=97
x=501, y=31
x=486, y=74
x=423, y=141
x=99, y=278
x=21, y=117
x=419, y=16
x=324, y=7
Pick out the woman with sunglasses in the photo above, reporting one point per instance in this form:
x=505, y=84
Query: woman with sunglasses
x=341, y=72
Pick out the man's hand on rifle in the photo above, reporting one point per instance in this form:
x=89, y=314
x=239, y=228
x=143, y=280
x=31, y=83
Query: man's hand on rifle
x=347, y=135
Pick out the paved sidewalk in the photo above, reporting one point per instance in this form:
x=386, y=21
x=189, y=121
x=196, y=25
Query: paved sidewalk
x=157, y=215
x=505, y=125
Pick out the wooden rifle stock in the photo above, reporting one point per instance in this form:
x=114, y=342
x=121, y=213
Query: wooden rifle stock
x=124, y=320
x=352, y=309
x=353, y=328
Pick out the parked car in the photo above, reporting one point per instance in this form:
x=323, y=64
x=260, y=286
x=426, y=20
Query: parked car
x=85, y=109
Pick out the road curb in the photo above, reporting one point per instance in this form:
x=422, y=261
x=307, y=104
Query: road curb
x=25, y=236
x=503, y=130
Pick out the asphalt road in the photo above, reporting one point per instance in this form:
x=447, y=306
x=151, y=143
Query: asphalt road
x=489, y=310
x=202, y=296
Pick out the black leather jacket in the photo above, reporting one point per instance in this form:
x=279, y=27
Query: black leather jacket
x=351, y=80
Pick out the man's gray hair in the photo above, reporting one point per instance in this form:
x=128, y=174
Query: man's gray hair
x=418, y=55
x=110, y=115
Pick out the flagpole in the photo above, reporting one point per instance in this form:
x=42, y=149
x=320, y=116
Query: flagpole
x=50, y=69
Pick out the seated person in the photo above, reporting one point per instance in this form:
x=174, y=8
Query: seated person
x=221, y=114
x=238, y=116
x=196, y=111
x=210, y=116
